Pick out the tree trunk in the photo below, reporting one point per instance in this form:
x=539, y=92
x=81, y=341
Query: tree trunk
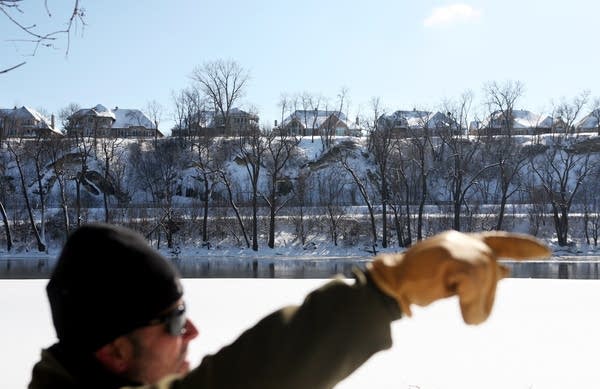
x=398, y=226
x=272, y=212
x=78, y=200
x=6, y=227
x=235, y=209
x=205, y=201
x=255, y=214
x=503, y=201
x=421, y=207
x=64, y=206
x=105, y=201
x=384, y=242
x=104, y=194
x=365, y=196
x=40, y=244
x=560, y=225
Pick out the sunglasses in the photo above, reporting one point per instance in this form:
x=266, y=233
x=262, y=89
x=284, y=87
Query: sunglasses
x=173, y=320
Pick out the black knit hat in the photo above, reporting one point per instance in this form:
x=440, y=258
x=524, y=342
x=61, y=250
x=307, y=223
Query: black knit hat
x=107, y=282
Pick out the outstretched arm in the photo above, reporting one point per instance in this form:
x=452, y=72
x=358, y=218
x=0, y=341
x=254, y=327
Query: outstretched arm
x=315, y=345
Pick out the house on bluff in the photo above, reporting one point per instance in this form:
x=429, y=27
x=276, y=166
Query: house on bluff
x=26, y=122
x=214, y=123
x=590, y=122
x=405, y=124
x=101, y=122
x=516, y=122
x=318, y=122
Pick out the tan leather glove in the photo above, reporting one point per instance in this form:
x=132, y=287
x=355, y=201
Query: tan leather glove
x=453, y=263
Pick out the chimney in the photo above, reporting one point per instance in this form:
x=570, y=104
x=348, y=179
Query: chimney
x=275, y=123
x=52, y=120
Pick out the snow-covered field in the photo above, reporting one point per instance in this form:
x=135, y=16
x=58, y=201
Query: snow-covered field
x=542, y=334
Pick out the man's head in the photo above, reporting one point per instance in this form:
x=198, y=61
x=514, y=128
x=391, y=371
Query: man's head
x=111, y=294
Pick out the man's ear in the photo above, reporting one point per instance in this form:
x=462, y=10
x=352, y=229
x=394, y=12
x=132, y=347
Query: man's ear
x=117, y=355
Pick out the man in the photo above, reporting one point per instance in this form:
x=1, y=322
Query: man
x=119, y=314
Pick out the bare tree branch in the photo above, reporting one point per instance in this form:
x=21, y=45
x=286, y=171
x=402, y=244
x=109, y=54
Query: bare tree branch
x=12, y=68
x=40, y=39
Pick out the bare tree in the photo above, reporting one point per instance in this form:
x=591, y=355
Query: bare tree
x=331, y=187
x=508, y=158
x=6, y=227
x=310, y=103
x=58, y=150
x=503, y=151
x=29, y=32
x=381, y=144
x=566, y=112
x=224, y=84
x=228, y=182
x=301, y=196
x=279, y=150
x=158, y=171
x=155, y=110
x=84, y=147
x=191, y=116
x=422, y=158
x=361, y=184
x=591, y=209
x=328, y=130
x=461, y=168
x=401, y=186
x=18, y=149
x=563, y=168
x=4, y=193
x=501, y=100
x=205, y=155
x=37, y=153
x=251, y=149
x=111, y=153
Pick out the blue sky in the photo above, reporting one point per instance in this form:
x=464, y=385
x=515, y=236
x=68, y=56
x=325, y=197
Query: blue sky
x=408, y=53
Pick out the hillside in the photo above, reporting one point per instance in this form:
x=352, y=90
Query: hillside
x=199, y=194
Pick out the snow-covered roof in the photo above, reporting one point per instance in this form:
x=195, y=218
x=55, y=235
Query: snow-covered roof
x=125, y=118
x=520, y=119
x=28, y=113
x=122, y=117
x=590, y=121
x=547, y=122
x=97, y=111
x=417, y=119
x=207, y=118
x=314, y=118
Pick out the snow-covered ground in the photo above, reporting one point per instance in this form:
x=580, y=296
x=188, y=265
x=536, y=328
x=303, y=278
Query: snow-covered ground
x=541, y=334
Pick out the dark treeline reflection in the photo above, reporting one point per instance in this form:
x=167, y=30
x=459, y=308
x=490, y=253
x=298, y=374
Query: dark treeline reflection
x=281, y=267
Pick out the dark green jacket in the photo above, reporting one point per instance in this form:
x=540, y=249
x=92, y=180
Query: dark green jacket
x=315, y=345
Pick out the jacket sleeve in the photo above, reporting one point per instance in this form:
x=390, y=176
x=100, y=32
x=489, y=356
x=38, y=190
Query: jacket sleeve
x=314, y=345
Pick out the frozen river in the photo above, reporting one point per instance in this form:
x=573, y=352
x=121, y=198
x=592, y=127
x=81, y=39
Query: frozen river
x=542, y=334
x=294, y=267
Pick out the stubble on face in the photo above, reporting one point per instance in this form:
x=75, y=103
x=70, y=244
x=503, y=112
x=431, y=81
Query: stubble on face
x=154, y=358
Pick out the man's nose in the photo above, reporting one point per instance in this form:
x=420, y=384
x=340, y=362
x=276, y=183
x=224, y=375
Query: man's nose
x=190, y=330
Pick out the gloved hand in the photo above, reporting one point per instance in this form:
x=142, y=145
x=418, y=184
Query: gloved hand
x=453, y=263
